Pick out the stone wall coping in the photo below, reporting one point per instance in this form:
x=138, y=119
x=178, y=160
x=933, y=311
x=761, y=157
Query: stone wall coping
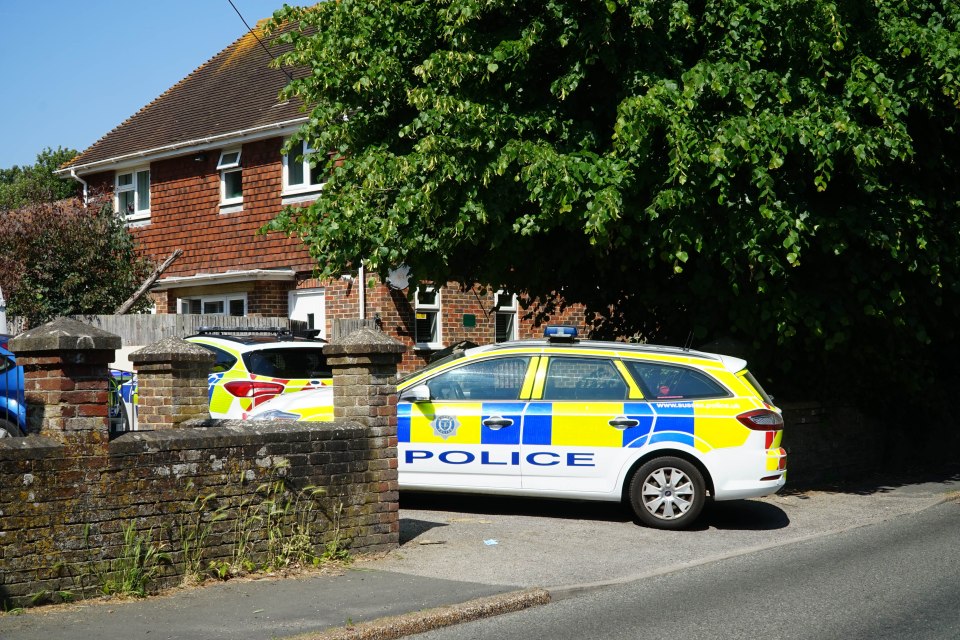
x=171, y=350
x=29, y=448
x=364, y=341
x=204, y=434
x=64, y=334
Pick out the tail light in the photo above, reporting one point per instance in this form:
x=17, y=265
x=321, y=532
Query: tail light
x=260, y=391
x=761, y=420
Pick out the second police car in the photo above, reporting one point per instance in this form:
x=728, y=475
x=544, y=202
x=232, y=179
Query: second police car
x=660, y=428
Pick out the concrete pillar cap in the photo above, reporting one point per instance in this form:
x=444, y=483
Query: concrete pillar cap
x=64, y=334
x=171, y=350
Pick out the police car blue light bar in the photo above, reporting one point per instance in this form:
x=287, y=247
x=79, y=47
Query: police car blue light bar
x=560, y=333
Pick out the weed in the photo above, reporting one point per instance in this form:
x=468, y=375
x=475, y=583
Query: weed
x=139, y=563
x=194, y=530
x=335, y=550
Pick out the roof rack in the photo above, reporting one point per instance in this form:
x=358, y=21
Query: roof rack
x=276, y=331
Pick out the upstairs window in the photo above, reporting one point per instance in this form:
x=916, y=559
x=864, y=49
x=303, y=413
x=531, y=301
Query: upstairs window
x=505, y=316
x=231, y=177
x=132, y=191
x=299, y=173
x=427, y=309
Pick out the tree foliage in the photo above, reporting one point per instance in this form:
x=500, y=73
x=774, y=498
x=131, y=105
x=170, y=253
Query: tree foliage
x=61, y=259
x=20, y=186
x=781, y=172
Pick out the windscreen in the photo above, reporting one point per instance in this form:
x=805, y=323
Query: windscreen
x=288, y=363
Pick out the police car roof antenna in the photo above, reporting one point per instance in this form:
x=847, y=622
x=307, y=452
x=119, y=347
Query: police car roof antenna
x=686, y=345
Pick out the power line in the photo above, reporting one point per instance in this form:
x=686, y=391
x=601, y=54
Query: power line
x=254, y=34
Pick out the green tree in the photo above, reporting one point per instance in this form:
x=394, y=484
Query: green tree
x=62, y=258
x=780, y=172
x=20, y=186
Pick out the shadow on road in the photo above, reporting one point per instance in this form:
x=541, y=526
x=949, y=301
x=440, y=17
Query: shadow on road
x=738, y=515
x=876, y=482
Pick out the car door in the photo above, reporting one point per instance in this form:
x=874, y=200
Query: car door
x=467, y=435
x=579, y=426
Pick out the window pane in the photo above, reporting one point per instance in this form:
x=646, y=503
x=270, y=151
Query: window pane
x=505, y=326
x=125, y=202
x=317, y=174
x=124, y=179
x=427, y=297
x=669, y=382
x=498, y=379
x=232, y=185
x=426, y=326
x=583, y=379
x=213, y=306
x=294, y=167
x=237, y=307
x=143, y=191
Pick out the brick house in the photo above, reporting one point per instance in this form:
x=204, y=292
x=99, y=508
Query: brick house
x=201, y=169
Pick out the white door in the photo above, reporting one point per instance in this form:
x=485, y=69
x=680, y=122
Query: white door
x=308, y=305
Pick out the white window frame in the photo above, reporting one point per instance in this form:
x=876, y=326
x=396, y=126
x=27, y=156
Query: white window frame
x=227, y=164
x=434, y=308
x=141, y=201
x=499, y=308
x=307, y=186
x=225, y=298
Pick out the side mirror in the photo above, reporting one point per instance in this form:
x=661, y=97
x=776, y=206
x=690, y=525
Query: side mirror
x=419, y=393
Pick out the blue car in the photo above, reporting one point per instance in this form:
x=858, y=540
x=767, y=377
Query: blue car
x=13, y=408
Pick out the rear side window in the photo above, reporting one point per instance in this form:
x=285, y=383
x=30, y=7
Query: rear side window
x=756, y=385
x=288, y=363
x=583, y=379
x=670, y=382
x=223, y=360
x=6, y=364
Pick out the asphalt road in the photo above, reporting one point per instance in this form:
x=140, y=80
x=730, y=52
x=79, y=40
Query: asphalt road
x=895, y=579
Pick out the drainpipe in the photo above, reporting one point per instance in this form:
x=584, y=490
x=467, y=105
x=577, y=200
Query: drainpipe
x=73, y=174
x=3, y=313
x=363, y=292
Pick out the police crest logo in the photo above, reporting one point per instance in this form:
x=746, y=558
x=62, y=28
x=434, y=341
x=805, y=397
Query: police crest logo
x=445, y=426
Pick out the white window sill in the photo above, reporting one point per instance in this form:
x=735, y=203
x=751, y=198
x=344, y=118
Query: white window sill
x=231, y=207
x=429, y=346
x=300, y=195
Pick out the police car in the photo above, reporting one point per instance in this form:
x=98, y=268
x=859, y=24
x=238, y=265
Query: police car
x=660, y=428
x=253, y=365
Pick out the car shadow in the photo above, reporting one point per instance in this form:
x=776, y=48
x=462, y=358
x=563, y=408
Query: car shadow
x=511, y=506
x=739, y=515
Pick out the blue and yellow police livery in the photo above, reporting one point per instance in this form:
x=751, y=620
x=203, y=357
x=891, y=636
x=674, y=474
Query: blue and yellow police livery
x=659, y=427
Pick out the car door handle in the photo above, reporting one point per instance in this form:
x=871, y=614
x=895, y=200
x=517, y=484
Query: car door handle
x=623, y=422
x=496, y=422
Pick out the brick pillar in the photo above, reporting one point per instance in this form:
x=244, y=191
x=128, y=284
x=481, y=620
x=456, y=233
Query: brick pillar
x=65, y=370
x=172, y=383
x=364, y=367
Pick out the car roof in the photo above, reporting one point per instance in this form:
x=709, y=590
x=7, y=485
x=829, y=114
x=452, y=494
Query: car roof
x=254, y=336
x=625, y=348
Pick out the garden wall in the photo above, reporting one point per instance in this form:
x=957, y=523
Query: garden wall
x=81, y=513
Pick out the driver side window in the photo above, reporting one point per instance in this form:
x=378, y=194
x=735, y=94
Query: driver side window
x=493, y=379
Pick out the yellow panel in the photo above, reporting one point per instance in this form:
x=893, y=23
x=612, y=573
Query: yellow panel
x=317, y=414
x=635, y=393
x=715, y=423
x=467, y=414
x=586, y=424
x=540, y=378
x=528, y=379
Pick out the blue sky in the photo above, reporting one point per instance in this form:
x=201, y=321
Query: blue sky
x=72, y=70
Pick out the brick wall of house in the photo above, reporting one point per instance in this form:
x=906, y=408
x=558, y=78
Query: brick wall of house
x=185, y=213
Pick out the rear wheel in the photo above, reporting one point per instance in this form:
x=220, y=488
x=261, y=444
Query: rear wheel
x=667, y=493
x=9, y=430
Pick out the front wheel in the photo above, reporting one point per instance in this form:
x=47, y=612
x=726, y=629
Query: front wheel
x=667, y=493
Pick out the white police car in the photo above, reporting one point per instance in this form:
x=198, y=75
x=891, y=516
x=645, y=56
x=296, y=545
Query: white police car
x=661, y=428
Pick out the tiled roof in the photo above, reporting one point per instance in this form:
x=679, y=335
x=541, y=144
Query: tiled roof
x=234, y=91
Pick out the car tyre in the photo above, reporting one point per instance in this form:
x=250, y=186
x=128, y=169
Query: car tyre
x=9, y=430
x=667, y=493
